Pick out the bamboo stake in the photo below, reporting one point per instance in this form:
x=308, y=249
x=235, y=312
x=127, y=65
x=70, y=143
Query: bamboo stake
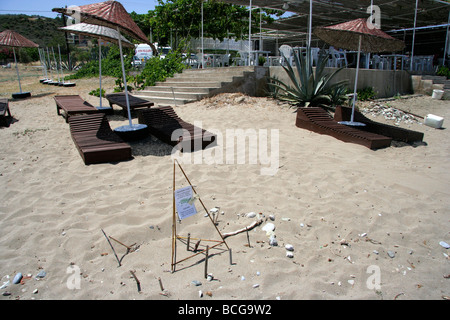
x=203, y=205
x=173, y=222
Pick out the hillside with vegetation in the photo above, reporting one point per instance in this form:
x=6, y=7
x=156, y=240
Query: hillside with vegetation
x=41, y=30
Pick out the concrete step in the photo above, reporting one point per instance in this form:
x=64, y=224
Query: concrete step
x=192, y=84
x=203, y=78
x=202, y=90
x=165, y=101
x=227, y=70
x=170, y=94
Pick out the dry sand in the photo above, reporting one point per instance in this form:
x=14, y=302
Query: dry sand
x=341, y=206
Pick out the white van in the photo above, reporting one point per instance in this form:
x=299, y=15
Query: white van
x=143, y=52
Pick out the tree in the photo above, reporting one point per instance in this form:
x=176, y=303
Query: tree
x=182, y=19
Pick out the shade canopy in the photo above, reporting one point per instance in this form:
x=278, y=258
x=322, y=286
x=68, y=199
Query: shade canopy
x=347, y=36
x=11, y=38
x=97, y=31
x=395, y=14
x=110, y=14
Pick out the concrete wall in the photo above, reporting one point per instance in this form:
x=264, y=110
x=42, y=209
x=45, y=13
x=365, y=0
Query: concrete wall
x=253, y=82
x=386, y=83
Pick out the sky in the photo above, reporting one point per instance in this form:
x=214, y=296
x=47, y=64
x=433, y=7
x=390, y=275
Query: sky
x=44, y=8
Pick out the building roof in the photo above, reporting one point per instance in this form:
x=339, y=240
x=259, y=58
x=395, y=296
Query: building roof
x=395, y=14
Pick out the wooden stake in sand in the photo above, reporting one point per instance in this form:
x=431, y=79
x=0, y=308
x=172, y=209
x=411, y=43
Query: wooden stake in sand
x=137, y=281
x=206, y=261
x=131, y=248
x=111, y=247
x=176, y=237
x=160, y=284
x=247, y=228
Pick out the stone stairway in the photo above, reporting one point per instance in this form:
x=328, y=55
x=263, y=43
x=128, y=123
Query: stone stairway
x=196, y=84
x=429, y=83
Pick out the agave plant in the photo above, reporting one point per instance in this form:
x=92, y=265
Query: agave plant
x=338, y=95
x=310, y=88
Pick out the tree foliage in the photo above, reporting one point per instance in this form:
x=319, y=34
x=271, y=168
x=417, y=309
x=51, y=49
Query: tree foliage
x=183, y=19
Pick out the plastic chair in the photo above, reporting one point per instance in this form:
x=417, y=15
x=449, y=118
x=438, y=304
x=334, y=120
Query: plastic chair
x=339, y=58
x=287, y=52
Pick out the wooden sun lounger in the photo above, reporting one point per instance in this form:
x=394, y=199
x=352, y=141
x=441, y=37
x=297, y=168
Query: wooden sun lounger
x=396, y=133
x=73, y=104
x=95, y=140
x=318, y=120
x=163, y=121
x=135, y=102
x=5, y=113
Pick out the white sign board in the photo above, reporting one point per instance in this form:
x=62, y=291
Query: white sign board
x=184, y=201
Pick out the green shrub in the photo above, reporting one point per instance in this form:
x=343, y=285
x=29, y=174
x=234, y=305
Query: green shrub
x=111, y=66
x=443, y=71
x=96, y=92
x=157, y=69
x=366, y=94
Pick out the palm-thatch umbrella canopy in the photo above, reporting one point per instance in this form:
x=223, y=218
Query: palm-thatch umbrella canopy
x=346, y=36
x=101, y=33
x=108, y=14
x=112, y=14
x=13, y=39
x=96, y=31
x=358, y=35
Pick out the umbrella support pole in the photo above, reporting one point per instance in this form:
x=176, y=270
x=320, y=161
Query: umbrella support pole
x=19, y=95
x=100, y=69
x=355, y=92
x=17, y=70
x=101, y=108
x=129, y=132
x=124, y=79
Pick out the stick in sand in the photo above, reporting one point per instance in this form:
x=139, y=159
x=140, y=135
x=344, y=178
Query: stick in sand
x=160, y=284
x=111, y=247
x=206, y=262
x=137, y=280
x=254, y=224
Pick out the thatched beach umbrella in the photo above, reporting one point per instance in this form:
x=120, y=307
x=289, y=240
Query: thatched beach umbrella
x=13, y=39
x=113, y=15
x=358, y=35
x=101, y=33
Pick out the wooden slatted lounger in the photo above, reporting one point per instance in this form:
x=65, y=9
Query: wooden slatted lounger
x=163, y=121
x=135, y=102
x=5, y=113
x=396, y=133
x=95, y=140
x=318, y=120
x=73, y=104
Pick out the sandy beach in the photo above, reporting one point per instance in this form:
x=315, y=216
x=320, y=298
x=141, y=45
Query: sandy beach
x=363, y=224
